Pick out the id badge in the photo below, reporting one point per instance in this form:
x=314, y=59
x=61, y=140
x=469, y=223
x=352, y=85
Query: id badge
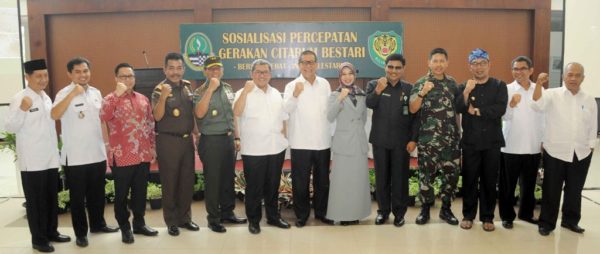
x=405, y=110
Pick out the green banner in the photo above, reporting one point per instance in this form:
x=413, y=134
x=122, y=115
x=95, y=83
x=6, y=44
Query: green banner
x=364, y=44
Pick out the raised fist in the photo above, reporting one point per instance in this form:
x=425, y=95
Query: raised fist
x=26, y=103
x=298, y=89
x=381, y=85
x=120, y=89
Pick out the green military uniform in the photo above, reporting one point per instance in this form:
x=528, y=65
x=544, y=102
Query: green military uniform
x=175, y=152
x=438, y=141
x=217, y=151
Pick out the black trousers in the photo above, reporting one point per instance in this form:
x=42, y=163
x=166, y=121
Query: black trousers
x=263, y=175
x=176, y=167
x=520, y=168
x=40, y=189
x=479, y=176
x=391, y=179
x=217, y=153
x=303, y=163
x=556, y=174
x=132, y=178
x=86, y=190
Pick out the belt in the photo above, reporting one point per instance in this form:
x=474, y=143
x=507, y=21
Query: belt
x=223, y=134
x=174, y=134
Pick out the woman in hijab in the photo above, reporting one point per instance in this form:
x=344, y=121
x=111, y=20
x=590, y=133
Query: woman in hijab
x=349, y=191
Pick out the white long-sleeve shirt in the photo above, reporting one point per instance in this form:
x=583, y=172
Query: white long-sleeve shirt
x=571, y=123
x=308, y=127
x=522, y=126
x=37, y=147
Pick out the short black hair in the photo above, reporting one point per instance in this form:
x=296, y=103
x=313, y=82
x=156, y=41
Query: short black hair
x=522, y=59
x=122, y=65
x=173, y=56
x=438, y=51
x=77, y=61
x=396, y=57
x=307, y=52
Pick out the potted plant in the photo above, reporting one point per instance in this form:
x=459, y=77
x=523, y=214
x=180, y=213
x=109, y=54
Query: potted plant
x=199, y=187
x=240, y=185
x=154, y=195
x=285, y=190
x=372, y=183
x=413, y=190
x=109, y=191
x=63, y=201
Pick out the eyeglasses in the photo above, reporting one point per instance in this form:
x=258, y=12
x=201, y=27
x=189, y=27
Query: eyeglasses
x=262, y=72
x=126, y=77
x=308, y=62
x=479, y=64
x=520, y=69
x=395, y=68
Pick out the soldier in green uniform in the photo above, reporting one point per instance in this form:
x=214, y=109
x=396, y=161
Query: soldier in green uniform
x=173, y=112
x=433, y=97
x=214, y=117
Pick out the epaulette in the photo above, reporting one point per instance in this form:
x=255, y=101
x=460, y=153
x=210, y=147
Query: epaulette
x=158, y=88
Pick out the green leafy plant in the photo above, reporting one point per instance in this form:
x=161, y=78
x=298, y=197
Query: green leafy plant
x=413, y=186
x=154, y=191
x=240, y=183
x=109, y=190
x=199, y=185
x=63, y=199
x=9, y=143
x=285, y=190
x=372, y=179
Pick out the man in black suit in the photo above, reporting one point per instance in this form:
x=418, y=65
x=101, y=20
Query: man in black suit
x=393, y=136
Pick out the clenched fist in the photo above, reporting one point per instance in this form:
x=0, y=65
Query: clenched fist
x=213, y=84
x=343, y=94
x=298, y=89
x=120, y=89
x=165, y=91
x=542, y=79
x=381, y=85
x=248, y=87
x=514, y=101
x=427, y=87
x=77, y=90
x=26, y=103
x=471, y=83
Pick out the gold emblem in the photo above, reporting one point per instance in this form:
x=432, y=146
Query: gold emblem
x=81, y=115
x=215, y=112
x=176, y=112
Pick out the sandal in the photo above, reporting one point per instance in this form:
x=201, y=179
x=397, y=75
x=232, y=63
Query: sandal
x=466, y=224
x=488, y=226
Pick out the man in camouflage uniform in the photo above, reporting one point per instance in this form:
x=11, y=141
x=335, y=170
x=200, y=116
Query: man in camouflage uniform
x=433, y=96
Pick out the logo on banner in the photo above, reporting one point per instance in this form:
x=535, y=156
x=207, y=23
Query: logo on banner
x=383, y=44
x=197, y=49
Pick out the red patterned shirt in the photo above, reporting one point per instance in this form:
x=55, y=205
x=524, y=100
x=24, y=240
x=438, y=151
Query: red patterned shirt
x=131, y=129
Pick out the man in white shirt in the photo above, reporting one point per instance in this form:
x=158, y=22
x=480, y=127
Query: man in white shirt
x=258, y=109
x=305, y=100
x=83, y=153
x=37, y=150
x=522, y=128
x=569, y=139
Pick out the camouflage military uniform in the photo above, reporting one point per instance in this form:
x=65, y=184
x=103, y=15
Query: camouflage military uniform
x=438, y=141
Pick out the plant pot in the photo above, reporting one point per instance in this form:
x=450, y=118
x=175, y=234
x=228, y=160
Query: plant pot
x=198, y=195
x=155, y=204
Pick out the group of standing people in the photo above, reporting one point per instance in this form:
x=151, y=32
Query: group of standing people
x=501, y=124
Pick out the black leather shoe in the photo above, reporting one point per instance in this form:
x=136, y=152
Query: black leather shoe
x=60, y=238
x=381, y=219
x=423, y=216
x=81, y=241
x=574, y=228
x=348, y=223
x=127, y=236
x=300, y=223
x=217, y=227
x=325, y=220
x=507, y=224
x=190, y=226
x=43, y=247
x=254, y=228
x=233, y=219
x=105, y=229
x=447, y=216
x=530, y=220
x=145, y=230
x=173, y=230
x=399, y=221
x=544, y=231
x=280, y=223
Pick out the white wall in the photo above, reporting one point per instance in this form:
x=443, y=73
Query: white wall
x=582, y=40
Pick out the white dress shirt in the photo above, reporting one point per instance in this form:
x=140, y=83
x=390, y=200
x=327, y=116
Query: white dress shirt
x=81, y=129
x=261, y=123
x=308, y=127
x=571, y=123
x=37, y=146
x=522, y=126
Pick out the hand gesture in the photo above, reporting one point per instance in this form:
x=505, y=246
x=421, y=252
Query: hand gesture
x=165, y=91
x=514, y=101
x=213, y=84
x=427, y=87
x=471, y=83
x=77, y=90
x=248, y=87
x=381, y=85
x=26, y=103
x=410, y=147
x=120, y=89
x=343, y=94
x=298, y=89
x=542, y=79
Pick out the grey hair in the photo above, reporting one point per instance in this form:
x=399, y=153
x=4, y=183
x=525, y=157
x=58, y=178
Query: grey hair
x=260, y=62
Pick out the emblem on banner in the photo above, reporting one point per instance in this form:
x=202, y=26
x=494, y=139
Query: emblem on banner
x=197, y=48
x=383, y=44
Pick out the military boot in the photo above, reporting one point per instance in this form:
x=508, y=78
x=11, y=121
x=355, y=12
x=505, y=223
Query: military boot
x=447, y=215
x=423, y=215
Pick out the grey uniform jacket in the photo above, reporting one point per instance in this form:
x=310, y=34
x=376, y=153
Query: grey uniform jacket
x=350, y=137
